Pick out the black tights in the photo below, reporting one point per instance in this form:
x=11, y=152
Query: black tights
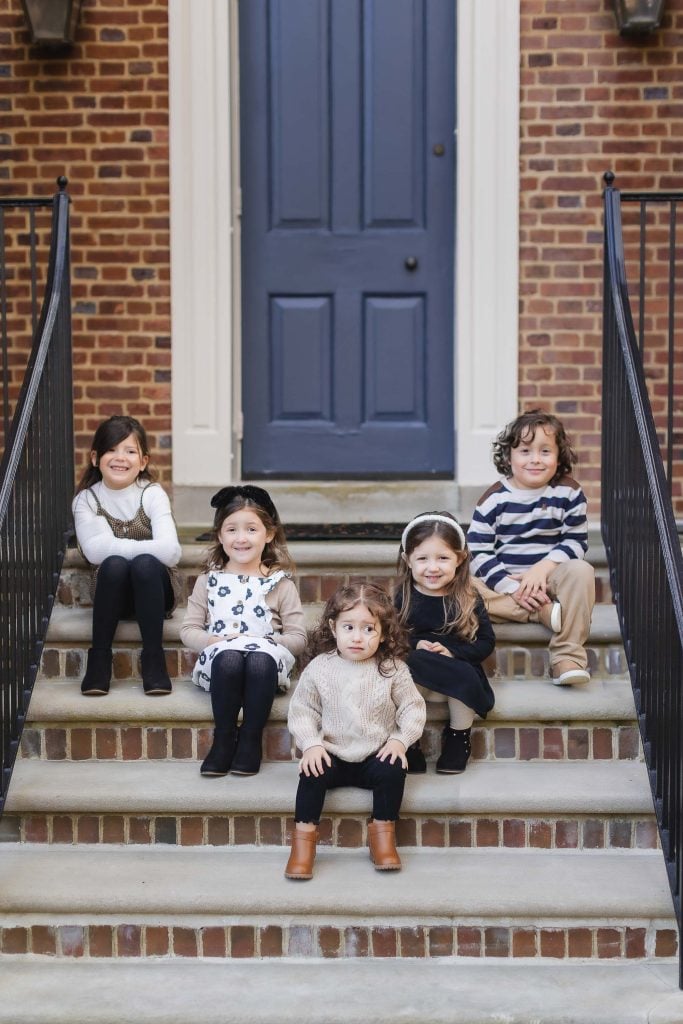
x=242, y=680
x=140, y=589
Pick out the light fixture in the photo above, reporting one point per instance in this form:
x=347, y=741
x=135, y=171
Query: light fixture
x=52, y=22
x=638, y=17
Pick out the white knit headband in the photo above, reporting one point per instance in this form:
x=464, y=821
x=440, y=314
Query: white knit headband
x=433, y=516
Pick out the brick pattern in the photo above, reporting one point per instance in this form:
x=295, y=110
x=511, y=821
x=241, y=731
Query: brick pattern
x=520, y=742
x=344, y=831
x=649, y=941
x=68, y=662
x=591, y=101
x=100, y=116
x=74, y=586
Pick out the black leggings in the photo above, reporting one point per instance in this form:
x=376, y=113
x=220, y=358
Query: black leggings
x=386, y=781
x=137, y=589
x=246, y=680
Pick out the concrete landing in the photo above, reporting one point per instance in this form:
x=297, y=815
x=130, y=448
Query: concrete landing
x=445, y=991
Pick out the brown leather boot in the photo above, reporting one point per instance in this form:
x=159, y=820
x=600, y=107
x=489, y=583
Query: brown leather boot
x=382, y=843
x=300, y=863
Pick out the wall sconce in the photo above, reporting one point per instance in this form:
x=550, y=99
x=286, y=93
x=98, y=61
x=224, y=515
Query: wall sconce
x=52, y=22
x=638, y=17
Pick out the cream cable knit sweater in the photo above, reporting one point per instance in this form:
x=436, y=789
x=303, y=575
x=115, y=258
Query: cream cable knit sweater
x=351, y=710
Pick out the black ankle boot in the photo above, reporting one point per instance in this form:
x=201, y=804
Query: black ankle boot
x=155, y=680
x=455, y=751
x=247, y=759
x=98, y=672
x=220, y=757
x=416, y=759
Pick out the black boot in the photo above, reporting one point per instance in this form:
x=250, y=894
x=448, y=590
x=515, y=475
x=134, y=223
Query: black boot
x=98, y=673
x=455, y=751
x=247, y=759
x=155, y=680
x=416, y=759
x=219, y=758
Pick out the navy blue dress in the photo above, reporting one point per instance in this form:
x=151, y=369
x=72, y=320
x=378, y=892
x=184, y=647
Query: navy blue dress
x=461, y=676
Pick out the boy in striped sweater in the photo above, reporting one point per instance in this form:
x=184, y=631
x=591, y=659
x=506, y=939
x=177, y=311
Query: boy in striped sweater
x=528, y=539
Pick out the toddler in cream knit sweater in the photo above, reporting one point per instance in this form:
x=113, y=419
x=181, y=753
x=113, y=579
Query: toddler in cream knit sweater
x=353, y=714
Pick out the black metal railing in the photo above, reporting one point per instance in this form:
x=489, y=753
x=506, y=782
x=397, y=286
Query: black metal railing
x=643, y=548
x=652, y=233
x=24, y=256
x=36, y=485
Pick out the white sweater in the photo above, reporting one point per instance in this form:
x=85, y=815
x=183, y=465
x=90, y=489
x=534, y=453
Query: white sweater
x=351, y=710
x=94, y=534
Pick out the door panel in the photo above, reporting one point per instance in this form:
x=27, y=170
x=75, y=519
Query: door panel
x=347, y=236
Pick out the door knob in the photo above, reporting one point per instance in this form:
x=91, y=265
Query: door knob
x=411, y=263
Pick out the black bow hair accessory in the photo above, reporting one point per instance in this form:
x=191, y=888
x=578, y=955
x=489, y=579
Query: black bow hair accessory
x=256, y=494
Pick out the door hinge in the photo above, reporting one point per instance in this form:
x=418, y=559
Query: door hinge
x=239, y=427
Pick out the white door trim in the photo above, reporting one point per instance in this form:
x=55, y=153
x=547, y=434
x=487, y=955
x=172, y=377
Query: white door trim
x=202, y=213
x=205, y=242
x=487, y=233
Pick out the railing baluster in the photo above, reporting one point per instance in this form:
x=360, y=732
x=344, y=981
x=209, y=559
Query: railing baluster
x=671, y=326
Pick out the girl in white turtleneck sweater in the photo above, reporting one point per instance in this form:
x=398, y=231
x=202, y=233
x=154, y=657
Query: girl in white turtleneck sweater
x=125, y=529
x=354, y=713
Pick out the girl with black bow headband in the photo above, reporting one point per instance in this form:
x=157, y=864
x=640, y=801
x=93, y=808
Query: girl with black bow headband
x=244, y=619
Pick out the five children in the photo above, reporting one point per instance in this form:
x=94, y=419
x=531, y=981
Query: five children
x=358, y=710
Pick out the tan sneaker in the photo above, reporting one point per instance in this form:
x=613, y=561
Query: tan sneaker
x=567, y=673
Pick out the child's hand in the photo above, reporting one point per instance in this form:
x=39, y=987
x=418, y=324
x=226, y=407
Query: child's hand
x=312, y=761
x=434, y=646
x=393, y=749
x=217, y=639
x=532, y=591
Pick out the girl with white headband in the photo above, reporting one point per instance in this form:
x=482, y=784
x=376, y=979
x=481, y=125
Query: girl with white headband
x=450, y=632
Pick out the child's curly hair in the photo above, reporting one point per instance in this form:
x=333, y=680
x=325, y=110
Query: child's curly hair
x=522, y=430
x=394, y=643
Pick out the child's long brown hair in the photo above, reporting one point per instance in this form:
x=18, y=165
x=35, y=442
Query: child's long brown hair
x=275, y=554
x=110, y=433
x=461, y=600
x=394, y=643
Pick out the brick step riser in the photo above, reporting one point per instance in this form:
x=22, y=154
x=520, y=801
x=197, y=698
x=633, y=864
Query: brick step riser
x=129, y=741
x=546, y=832
x=74, y=586
x=629, y=940
x=68, y=661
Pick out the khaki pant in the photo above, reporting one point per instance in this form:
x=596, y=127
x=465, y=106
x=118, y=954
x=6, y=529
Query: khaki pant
x=573, y=585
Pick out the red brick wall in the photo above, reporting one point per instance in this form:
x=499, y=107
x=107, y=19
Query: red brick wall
x=591, y=101
x=99, y=115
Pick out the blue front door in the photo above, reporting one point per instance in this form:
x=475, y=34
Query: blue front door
x=348, y=156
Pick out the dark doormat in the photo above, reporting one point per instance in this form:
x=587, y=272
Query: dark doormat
x=337, y=531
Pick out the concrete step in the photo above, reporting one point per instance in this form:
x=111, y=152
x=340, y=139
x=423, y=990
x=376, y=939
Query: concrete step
x=562, y=805
x=74, y=626
x=474, y=902
x=437, y=991
x=322, y=566
x=604, y=698
x=532, y=720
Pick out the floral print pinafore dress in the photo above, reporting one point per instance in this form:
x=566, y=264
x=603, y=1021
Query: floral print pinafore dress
x=238, y=603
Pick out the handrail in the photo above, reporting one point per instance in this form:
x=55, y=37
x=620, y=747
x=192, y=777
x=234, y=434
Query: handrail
x=36, y=483
x=643, y=549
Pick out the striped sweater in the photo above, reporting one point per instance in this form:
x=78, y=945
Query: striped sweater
x=513, y=529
